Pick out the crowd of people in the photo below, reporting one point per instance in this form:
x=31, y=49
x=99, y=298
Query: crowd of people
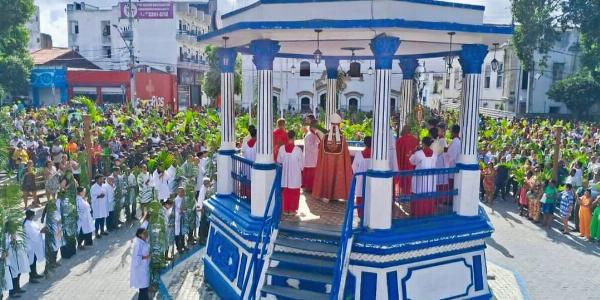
x=519, y=164
x=92, y=190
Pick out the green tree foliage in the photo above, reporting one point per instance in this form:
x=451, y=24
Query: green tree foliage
x=585, y=16
x=579, y=92
x=211, y=81
x=15, y=61
x=538, y=29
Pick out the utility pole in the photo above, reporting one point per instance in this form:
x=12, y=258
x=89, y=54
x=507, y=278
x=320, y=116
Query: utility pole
x=128, y=40
x=131, y=58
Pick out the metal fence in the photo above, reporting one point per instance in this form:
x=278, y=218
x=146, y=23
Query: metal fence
x=240, y=173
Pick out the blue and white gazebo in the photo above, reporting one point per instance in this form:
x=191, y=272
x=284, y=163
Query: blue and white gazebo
x=252, y=254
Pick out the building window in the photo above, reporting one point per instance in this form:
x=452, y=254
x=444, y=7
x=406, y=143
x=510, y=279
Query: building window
x=393, y=104
x=76, y=28
x=558, y=70
x=353, y=104
x=305, y=105
x=107, y=51
x=304, y=69
x=500, y=76
x=487, y=77
x=447, y=81
x=322, y=101
x=354, y=70
x=524, y=80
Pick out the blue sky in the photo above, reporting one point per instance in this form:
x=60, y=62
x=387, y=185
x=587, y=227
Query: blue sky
x=54, y=18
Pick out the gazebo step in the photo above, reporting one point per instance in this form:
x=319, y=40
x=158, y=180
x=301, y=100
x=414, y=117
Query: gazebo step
x=291, y=293
x=306, y=245
x=326, y=231
x=304, y=262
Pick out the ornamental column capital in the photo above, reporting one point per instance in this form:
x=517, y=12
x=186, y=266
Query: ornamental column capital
x=409, y=67
x=227, y=58
x=264, y=52
x=471, y=58
x=384, y=49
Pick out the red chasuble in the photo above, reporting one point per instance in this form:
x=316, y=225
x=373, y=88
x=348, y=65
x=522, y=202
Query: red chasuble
x=333, y=174
x=405, y=147
x=279, y=138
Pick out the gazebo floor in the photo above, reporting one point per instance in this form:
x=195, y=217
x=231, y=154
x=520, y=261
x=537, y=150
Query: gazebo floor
x=313, y=211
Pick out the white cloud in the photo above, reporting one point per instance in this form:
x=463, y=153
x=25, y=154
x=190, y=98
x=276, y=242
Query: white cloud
x=54, y=17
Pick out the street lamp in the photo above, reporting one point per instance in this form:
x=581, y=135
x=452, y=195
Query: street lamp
x=494, y=62
x=318, y=54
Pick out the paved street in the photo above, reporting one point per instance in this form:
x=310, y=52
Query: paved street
x=101, y=272
x=552, y=265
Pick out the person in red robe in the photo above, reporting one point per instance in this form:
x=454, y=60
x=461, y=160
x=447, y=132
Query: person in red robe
x=280, y=137
x=333, y=174
x=291, y=158
x=405, y=147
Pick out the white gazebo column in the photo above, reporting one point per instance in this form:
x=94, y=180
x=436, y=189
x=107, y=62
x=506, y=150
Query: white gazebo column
x=331, y=65
x=227, y=63
x=466, y=203
x=409, y=66
x=378, y=203
x=263, y=171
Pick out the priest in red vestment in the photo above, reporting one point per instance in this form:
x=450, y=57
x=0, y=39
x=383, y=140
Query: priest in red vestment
x=333, y=174
x=280, y=137
x=405, y=147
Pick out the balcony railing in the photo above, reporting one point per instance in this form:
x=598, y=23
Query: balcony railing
x=240, y=173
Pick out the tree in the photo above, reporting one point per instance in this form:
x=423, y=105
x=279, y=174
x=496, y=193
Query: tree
x=579, y=92
x=15, y=61
x=211, y=81
x=585, y=16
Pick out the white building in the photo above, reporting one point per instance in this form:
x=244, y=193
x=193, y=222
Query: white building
x=510, y=83
x=299, y=85
x=164, y=39
x=33, y=27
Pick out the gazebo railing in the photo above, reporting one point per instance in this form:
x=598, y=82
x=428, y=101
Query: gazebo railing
x=416, y=194
x=240, y=173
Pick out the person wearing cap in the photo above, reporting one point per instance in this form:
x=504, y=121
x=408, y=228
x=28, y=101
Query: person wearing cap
x=34, y=244
x=280, y=137
x=333, y=174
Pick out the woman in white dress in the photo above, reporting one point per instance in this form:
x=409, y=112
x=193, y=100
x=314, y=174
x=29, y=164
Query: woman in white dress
x=140, y=264
x=85, y=221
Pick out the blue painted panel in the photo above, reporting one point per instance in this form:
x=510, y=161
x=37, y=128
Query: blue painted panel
x=350, y=286
x=412, y=269
x=242, y=271
x=48, y=77
x=223, y=288
x=368, y=285
x=417, y=259
x=478, y=272
x=392, y=285
x=224, y=254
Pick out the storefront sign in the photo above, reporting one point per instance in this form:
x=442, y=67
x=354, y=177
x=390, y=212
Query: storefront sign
x=147, y=10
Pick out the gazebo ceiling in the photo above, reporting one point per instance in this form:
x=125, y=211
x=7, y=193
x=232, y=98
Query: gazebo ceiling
x=423, y=28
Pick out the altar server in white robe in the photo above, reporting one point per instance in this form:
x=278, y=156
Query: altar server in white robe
x=361, y=163
x=85, y=222
x=17, y=262
x=178, y=211
x=139, y=276
x=162, y=180
x=312, y=140
x=423, y=158
x=99, y=206
x=201, y=171
x=292, y=161
x=34, y=244
x=392, y=157
x=109, y=189
x=144, y=182
x=248, y=147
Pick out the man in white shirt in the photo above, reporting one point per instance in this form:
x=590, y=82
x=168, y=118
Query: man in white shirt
x=34, y=244
x=99, y=206
x=178, y=210
x=290, y=156
x=162, y=180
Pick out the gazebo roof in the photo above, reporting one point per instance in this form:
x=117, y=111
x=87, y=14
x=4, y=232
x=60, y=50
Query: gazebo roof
x=421, y=25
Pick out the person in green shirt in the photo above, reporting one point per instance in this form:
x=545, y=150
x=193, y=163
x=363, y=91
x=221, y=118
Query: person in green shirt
x=548, y=199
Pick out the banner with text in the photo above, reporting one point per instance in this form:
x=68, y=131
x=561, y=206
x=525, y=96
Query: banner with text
x=147, y=10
